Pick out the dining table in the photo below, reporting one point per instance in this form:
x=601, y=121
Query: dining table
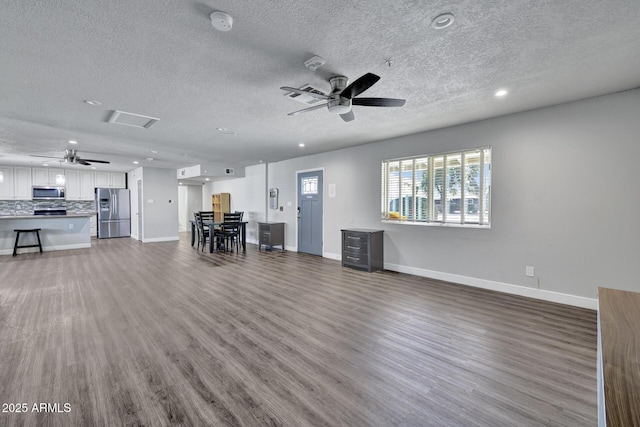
x=214, y=224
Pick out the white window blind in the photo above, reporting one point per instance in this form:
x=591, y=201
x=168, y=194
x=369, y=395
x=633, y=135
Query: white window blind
x=448, y=188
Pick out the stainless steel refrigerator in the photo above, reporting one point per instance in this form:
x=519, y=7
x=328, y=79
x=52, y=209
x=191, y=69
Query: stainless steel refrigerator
x=114, y=213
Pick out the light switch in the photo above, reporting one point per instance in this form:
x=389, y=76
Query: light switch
x=529, y=271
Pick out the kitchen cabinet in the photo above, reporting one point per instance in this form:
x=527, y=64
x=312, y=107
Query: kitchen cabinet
x=22, y=183
x=48, y=176
x=362, y=249
x=270, y=234
x=6, y=183
x=93, y=225
x=109, y=180
x=79, y=185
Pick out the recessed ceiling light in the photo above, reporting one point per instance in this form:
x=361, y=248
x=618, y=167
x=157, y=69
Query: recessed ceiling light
x=71, y=141
x=154, y=152
x=135, y=162
x=501, y=92
x=301, y=145
x=179, y=183
x=442, y=21
x=93, y=167
x=92, y=102
x=222, y=129
x=45, y=164
x=206, y=179
x=149, y=159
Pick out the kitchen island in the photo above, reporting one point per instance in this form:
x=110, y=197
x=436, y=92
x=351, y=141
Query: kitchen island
x=58, y=232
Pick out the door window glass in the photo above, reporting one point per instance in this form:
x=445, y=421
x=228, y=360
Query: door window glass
x=310, y=185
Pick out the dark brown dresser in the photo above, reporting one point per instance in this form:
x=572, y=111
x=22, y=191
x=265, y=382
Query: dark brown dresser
x=362, y=249
x=270, y=234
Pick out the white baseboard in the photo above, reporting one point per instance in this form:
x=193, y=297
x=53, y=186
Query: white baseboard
x=590, y=303
x=161, y=239
x=47, y=248
x=329, y=255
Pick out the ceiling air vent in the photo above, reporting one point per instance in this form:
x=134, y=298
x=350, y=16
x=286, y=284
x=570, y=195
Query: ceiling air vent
x=130, y=119
x=228, y=171
x=306, y=99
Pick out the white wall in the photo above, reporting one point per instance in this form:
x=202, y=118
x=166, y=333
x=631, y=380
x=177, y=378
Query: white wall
x=564, y=200
x=132, y=182
x=159, y=204
x=189, y=201
x=248, y=194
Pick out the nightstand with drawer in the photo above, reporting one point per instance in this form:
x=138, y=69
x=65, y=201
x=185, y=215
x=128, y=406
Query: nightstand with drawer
x=362, y=249
x=270, y=234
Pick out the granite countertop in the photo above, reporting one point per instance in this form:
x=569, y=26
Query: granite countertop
x=70, y=214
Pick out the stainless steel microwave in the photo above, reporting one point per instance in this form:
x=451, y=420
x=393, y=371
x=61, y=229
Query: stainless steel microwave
x=47, y=193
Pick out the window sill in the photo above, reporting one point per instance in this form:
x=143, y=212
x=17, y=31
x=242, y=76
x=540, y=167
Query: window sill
x=438, y=224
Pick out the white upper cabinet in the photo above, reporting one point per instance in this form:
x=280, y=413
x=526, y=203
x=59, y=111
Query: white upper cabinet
x=117, y=180
x=6, y=183
x=102, y=179
x=22, y=183
x=109, y=180
x=87, y=188
x=73, y=185
x=79, y=185
x=47, y=176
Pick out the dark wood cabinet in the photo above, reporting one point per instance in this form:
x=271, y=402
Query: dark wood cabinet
x=271, y=234
x=362, y=249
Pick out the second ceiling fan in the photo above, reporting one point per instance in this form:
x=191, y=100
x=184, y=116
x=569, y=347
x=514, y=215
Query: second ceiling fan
x=343, y=97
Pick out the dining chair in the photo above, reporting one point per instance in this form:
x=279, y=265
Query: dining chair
x=204, y=232
x=231, y=230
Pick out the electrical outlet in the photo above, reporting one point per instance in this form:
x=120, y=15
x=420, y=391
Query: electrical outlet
x=529, y=271
x=70, y=226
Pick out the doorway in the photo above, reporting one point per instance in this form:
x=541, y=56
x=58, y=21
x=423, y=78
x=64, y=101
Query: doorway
x=310, y=212
x=139, y=213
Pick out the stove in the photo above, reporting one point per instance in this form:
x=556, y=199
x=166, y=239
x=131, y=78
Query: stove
x=50, y=211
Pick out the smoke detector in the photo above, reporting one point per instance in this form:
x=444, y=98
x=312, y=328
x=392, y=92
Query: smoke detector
x=221, y=21
x=314, y=62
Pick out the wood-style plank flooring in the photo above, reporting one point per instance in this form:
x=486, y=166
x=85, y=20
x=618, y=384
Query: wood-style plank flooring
x=161, y=334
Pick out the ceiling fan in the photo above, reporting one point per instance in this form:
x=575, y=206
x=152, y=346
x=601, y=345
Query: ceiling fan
x=71, y=156
x=342, y=97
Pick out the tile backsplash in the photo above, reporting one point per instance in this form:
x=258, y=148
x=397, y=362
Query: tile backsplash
x=26, y=207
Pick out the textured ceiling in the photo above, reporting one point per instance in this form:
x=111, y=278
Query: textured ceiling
x=164, y=59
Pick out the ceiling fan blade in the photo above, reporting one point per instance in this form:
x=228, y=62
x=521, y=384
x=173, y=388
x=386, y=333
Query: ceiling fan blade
x=46, y=157
x=315, y=107
x=359, y=86
x=83, y=162
x=378, y=102
x=305, y=92
x=347, y=117
x=94, y=161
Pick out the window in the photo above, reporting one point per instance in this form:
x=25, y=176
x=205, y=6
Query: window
x=310, y=185
x=449, y=188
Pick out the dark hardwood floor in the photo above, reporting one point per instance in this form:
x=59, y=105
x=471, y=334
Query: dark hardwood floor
x=161, y=334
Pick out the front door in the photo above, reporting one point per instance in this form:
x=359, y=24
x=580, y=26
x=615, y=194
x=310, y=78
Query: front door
x=310, y=212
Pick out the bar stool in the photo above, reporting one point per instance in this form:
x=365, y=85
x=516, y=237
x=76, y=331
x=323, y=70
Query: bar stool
x=31, y=230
